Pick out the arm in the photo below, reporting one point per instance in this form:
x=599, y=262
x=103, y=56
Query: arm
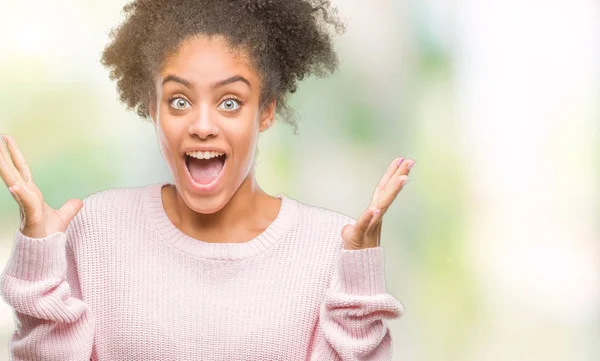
x=352, y=323
x=41, y=285
x=352, y=320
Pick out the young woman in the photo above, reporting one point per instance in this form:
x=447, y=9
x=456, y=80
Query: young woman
x=209, y=267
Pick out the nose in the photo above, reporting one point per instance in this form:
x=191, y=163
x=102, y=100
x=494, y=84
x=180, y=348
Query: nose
x=203, y=125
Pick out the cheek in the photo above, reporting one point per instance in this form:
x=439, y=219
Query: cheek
x=244, y=137
x=166, y=142
x=243, y=141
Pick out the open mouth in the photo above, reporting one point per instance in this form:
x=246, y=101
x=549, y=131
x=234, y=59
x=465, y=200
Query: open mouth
x=207, y=170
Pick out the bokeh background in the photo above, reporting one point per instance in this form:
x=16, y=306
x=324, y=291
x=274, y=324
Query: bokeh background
x=493, y=247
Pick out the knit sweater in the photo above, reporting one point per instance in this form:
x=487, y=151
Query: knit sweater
x=124, y=283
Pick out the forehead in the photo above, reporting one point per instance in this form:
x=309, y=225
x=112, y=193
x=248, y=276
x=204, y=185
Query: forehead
x=203, y=60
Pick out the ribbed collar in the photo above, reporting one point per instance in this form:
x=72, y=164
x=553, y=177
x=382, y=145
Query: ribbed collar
x=170, y=234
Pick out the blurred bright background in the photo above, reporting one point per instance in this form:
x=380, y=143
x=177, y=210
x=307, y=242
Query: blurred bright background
x=493, y=247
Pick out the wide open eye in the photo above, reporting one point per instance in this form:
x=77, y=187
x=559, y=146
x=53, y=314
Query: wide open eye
x=179, y=103
x=230, y=104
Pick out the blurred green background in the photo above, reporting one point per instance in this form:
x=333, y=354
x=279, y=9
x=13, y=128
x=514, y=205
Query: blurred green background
x=493, y=247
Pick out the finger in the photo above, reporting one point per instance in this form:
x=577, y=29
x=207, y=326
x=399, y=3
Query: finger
x=389, y=194
x=386, y=201
x=70, y=209
x=406, y=167
x=374, y=220
x=18, y=158
x=394, y=165
x=13, y=191
x=402, y=170
x=8, y=172
x=347, y=232
x=375, y=227
x=28, y=203
x=362, y=224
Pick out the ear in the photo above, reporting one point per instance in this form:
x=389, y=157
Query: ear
x=267, y=115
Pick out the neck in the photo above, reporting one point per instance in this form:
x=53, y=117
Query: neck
x=247, y=212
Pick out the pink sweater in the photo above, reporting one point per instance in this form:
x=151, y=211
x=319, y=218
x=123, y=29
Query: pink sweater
x=123, y=283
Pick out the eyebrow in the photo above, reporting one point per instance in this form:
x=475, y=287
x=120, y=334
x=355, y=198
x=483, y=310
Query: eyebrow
x=218, y=84
x=176, y=79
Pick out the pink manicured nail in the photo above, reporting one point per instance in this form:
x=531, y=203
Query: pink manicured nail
x=400, y=161
x=410, y=164
x=376, y=212
x=12, y=189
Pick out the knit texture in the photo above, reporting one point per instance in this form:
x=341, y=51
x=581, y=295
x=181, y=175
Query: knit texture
x=123, y=283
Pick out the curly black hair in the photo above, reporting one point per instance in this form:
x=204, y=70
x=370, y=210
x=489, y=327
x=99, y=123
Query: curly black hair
x=286, y=40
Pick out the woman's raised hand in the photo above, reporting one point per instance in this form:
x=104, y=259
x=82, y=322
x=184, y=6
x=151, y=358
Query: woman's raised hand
x=38, y=219
x=366, y=232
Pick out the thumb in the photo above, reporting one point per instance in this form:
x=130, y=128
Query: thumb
x=70, y=209
x=347, y=232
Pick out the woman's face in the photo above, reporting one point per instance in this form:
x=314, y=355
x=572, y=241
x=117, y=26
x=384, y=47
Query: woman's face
x=208, y=100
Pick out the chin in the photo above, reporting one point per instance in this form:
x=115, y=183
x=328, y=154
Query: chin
x=206, y=205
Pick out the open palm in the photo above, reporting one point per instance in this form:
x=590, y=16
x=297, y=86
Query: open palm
x=38, y=219
x=366, y=232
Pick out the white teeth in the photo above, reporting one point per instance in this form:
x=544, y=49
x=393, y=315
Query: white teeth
x=204, y=155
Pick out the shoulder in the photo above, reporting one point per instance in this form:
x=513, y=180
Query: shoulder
x=113, y=197
x=321, y=224
x=104, y=210
x=119, y=202
x=321, y=216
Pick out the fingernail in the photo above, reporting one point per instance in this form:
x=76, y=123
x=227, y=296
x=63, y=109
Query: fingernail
x=410, y=164
x=376, y=212
x=400, y=161
x=13, y=189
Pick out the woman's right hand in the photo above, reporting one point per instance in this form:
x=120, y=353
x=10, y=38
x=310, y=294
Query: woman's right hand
x=38, y=219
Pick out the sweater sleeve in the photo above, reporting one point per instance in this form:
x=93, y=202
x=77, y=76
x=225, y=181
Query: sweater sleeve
x=352, y=320
x=40, y=283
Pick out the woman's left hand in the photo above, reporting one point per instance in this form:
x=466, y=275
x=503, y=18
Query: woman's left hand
x=366, y=232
